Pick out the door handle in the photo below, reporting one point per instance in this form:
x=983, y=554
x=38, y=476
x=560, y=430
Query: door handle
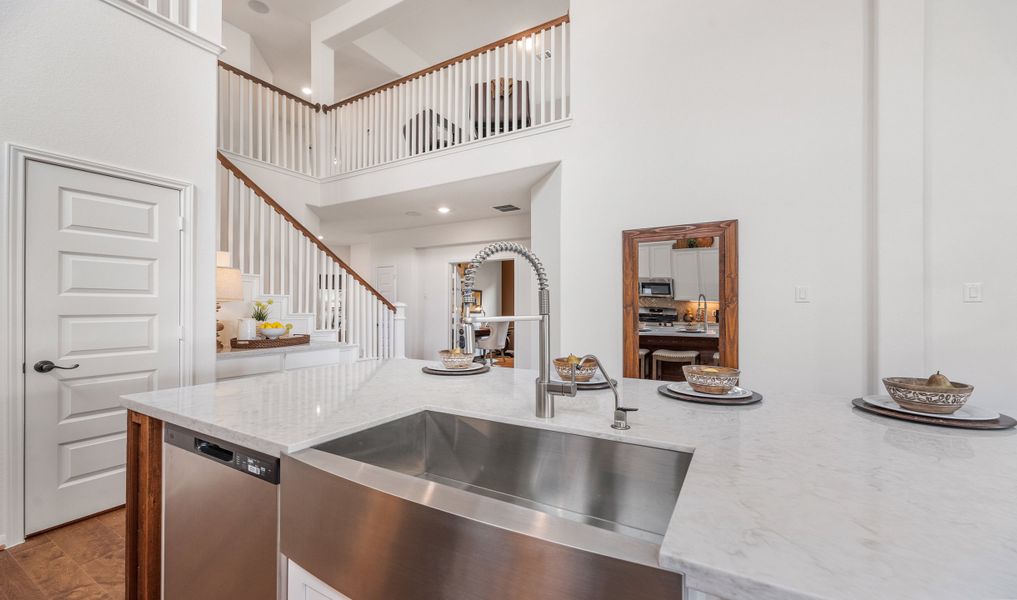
x=45, y=366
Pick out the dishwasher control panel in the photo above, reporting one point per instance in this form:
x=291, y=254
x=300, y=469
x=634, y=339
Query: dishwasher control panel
x=245, y=460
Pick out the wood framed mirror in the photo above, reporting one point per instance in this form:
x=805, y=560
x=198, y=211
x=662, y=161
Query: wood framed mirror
x=723, y=236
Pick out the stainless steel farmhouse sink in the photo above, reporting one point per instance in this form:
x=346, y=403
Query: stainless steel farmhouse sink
x=435, y=505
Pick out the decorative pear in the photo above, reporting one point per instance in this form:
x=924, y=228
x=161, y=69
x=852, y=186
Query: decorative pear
x=938, y=380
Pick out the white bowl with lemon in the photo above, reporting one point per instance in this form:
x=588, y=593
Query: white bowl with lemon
x=274, y=330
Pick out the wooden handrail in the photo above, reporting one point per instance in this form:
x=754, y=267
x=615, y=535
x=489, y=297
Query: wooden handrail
x=274, y=88
x=476, y=52
x=292, y=221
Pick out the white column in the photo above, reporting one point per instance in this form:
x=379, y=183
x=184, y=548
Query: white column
x=399, y=331
x=897, y=190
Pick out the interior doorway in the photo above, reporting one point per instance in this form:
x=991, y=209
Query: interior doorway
x=673, y=269
x=494, y=295
x=104, y=294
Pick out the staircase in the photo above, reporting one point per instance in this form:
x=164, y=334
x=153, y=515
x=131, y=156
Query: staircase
x=309, y=286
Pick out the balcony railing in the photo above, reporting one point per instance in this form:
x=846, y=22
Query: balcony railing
x=517, y=83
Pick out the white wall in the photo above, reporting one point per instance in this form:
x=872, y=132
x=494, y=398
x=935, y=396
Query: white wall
x=91, y=81
x=971, y=193
x=759, y=119
x=243, y=53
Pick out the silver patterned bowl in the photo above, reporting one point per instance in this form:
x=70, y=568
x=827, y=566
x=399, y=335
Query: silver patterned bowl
x=707, y=379
x=913, y=393
x=451, y=360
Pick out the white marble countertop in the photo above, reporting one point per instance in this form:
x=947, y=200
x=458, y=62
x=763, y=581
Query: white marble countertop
x=677, y=332
x=798, y=497
x=311, y=347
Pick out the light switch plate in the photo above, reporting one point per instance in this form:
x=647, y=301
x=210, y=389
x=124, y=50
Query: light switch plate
x=973, y=292
x=803, y=293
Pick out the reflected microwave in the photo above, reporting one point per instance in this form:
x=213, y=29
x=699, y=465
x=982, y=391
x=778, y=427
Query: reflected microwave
x=656, y=287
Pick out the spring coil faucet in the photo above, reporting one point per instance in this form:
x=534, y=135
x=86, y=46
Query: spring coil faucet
x=545, y=388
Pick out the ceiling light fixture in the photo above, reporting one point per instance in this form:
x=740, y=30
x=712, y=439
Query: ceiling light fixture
x=321, y=237
x=444, y=210
x=306, y=90
x=258, y=6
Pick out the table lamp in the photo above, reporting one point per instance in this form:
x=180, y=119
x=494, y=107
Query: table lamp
x=229, y=287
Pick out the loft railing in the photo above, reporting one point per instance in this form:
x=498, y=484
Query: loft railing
x=264, y=122
x=514, y=84
x=264, y=239
x=181, y=12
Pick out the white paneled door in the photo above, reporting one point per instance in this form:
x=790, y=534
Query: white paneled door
x=102, y=295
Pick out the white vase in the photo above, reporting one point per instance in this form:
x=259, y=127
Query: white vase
x=247, y=329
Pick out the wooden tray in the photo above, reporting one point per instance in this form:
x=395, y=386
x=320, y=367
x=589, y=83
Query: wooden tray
x=755, y=397
x=1003, y=422
x=293, y=340
x=431, y=371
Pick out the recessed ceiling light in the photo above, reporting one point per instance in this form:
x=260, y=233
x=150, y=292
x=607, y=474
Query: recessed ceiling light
x=444, y=210
x=412, y=213
x=321, y=237
x=306, y=91
x=258, y=6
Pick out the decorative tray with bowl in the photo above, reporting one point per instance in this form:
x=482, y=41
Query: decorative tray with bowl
x=588, y=376
x=707, y=384
x=456, y=362
x=933, y=401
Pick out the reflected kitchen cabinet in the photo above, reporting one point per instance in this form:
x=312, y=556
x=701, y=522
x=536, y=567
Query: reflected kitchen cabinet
x=696, y=271
x=655, y=259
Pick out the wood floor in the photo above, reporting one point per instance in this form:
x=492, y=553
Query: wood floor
x=80, y=561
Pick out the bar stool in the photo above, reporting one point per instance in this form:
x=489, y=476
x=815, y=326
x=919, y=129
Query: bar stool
x=676, y=356
x=642, y=361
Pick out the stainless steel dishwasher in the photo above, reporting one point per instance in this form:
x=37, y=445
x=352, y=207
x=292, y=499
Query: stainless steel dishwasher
x=221, y=525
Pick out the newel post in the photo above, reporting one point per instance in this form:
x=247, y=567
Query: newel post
x=399, y=331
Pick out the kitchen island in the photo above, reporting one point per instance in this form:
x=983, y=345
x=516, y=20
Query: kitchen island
x=800, y=496
x=656, y=337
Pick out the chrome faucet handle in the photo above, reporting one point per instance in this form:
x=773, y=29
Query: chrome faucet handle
x=621, y=413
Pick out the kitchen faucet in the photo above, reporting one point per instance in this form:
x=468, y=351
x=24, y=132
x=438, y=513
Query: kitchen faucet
x=701, y=302
x=546, y=389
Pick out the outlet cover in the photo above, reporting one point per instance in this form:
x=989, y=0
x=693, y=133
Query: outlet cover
x=973, y=292
x=803, y=293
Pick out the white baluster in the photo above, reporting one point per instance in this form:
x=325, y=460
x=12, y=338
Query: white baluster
x=273, y=225
x=285, y=274
x=554, y=79
x=241, y=229
x=261, y=244
x=564, y=65
x=531, y=114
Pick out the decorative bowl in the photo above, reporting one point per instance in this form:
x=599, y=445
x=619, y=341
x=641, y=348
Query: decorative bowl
x=913, y=393
x=272, y=332
x=455, y=361
x=708, y=379
x=584, y=370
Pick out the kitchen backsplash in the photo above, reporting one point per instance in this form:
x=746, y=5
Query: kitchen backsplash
x=681, y=306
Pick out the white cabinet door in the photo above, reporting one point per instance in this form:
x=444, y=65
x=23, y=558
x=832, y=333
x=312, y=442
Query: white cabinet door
x=102, y=258
x=685, y=270
x=301, y=585
x=644, y=261
x=660, y=260
x=709, y=273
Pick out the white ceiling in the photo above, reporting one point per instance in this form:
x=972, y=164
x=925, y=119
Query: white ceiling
x=469, y=200
x=435, y=30
x=283, y=35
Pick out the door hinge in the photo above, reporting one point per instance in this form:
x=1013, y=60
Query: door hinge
x=180, y=333
x=180, y=223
